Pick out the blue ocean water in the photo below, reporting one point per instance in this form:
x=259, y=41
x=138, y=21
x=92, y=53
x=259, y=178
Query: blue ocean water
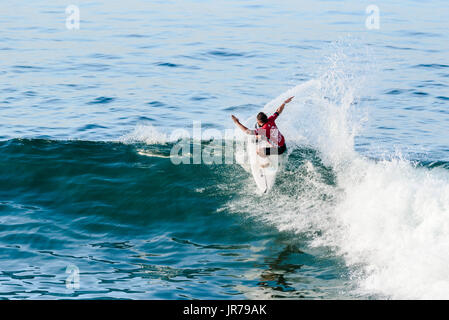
x=88, y=190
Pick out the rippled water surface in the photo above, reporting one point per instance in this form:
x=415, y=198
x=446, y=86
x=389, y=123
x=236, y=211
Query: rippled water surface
x=88, y=188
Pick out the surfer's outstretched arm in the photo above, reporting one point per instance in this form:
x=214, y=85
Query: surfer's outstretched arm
x=281, y=108
x=241, y=126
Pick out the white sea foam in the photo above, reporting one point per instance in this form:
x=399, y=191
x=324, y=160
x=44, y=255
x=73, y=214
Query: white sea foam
x=147, y=134
x=393, y=220
x=388, y=219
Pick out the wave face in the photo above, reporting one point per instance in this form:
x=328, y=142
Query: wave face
x=137, y=226
x=124, y=211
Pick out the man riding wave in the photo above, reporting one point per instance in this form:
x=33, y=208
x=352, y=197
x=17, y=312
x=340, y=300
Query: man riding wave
x=268, y=130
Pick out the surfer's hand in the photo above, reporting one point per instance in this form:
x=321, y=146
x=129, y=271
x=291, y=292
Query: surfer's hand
x=289, y=99
x=234, y=118
x=281, y=108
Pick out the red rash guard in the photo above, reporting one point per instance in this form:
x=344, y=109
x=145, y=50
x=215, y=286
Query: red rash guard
x=271, y=132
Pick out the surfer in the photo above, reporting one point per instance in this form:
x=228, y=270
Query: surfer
x=267, y=129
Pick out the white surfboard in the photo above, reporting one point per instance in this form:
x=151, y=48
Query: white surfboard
x=263, y=169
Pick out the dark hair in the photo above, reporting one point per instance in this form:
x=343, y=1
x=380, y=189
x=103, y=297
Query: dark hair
x=262, y=117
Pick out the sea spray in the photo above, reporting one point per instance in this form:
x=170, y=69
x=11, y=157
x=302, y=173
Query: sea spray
x=388, y=219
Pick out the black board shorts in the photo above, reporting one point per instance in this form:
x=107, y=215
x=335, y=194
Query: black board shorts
x=278, y=150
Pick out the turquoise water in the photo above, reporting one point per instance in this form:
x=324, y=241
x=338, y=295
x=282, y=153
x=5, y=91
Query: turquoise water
x=88, y=183
x=140, y=227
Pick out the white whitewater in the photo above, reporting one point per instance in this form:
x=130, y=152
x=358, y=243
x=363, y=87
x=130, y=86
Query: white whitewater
x=388, y=219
